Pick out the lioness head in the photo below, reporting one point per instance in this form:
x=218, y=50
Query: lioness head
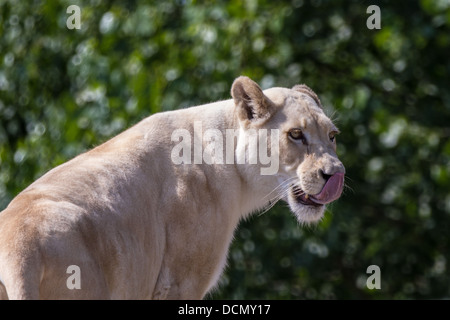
x=310, y=174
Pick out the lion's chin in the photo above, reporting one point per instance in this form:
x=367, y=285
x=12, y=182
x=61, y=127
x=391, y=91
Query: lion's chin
x=304, y=212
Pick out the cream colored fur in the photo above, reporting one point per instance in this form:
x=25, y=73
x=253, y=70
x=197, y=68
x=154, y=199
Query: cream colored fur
x=140, y=226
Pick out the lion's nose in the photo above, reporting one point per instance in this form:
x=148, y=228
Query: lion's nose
x=327, y=172
x=324, y=175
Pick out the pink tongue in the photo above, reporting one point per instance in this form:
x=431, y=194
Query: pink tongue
x=331, y=190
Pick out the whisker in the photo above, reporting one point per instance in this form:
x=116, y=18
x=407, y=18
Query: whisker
x=282, y=191
x=299, y=192
x=335, y=117
x=280, y=195
x=281, y=185
x=347, y=186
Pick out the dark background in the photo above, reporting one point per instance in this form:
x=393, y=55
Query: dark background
x=64, y=91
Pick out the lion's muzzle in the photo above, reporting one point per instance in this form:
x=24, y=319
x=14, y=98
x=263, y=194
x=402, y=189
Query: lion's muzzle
x=331, y=191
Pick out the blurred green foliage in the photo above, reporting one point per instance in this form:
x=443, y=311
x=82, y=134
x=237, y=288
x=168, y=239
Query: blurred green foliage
x=64, y=91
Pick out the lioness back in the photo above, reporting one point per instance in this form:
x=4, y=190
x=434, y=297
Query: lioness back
x=94, y=213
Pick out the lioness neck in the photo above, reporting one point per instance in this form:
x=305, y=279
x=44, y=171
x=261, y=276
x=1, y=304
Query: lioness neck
x=203, y=202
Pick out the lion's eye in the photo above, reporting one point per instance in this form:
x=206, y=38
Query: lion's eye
x=332, y=136
x=297, y=134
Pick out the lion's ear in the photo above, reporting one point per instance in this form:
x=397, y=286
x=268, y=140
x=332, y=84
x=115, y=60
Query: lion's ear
x=307, y=90
x=253, y=107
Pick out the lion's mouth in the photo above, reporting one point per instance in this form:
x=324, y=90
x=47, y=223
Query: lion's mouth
x=303, y=198
x=331, y=191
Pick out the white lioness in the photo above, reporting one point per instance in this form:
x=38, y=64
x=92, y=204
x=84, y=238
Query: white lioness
x=139, y=226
